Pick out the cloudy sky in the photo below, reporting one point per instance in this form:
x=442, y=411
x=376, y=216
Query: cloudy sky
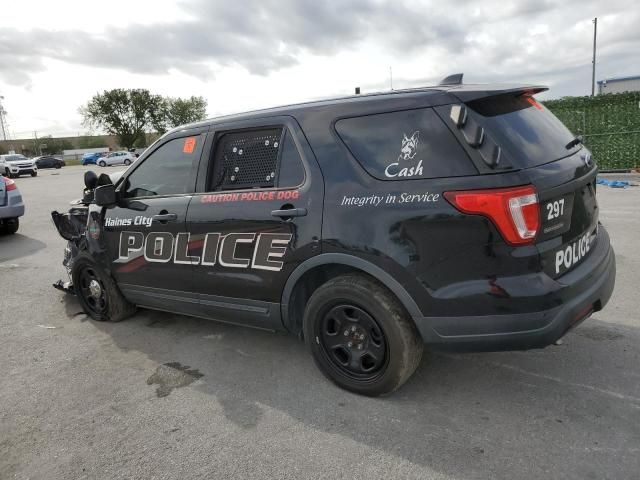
x=246, y=54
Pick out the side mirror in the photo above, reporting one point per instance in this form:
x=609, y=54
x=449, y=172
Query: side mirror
x=105, y=195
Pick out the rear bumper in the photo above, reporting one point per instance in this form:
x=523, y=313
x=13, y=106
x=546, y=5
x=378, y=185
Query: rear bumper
x=14, y=207
x=11, y=212
x=577, y=294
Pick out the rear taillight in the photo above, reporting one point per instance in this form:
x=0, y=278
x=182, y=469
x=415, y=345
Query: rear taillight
x=514, y=211
x=9, y=184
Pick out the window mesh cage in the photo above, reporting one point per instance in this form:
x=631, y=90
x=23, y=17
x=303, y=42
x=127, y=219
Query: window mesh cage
x=249, y=159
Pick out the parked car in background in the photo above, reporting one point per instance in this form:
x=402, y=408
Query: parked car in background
x=47, y=161
x=117, y=158
x=92, y=158
x=15, y=165
x=11, y=206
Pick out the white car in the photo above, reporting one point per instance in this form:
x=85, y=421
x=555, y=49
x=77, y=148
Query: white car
x=117, y=158
x=15, y=165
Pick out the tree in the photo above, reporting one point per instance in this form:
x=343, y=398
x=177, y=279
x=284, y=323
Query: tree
x=90, y=141
x=124, y=113
x=50, y=146
x=179, y=111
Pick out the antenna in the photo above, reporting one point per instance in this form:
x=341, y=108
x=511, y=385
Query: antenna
x=593, y=69
x=3, y=127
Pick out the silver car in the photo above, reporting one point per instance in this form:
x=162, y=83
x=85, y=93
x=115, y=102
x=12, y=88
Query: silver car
x=117, y=158
x=11, y=206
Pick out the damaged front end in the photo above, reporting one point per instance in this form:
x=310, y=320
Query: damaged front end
x=72, y=227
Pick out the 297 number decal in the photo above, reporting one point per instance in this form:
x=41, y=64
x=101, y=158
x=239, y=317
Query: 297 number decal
x=555, y=209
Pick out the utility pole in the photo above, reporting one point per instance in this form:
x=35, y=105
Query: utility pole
x=593, y=71
x=35, y=143
x=3, y=128
x=390, y=78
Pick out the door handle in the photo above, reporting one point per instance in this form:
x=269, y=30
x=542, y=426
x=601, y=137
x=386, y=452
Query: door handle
x=289, y=212
x=165, y=217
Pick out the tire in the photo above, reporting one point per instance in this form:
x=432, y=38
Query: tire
x=127, y=162
x=102, y=163
x=34, y=174
x=11, y=225
x=58, y=166
x=107, y=304
x=360, y=336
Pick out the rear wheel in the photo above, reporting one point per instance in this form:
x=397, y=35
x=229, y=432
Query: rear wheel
x=98, y=293
x=11, y=225
x=360, y=336
x=127, y=162
x=102, y=163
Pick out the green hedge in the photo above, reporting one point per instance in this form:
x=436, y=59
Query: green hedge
x=610, y=124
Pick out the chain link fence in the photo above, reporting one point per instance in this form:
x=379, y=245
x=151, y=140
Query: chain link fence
x=609, y=123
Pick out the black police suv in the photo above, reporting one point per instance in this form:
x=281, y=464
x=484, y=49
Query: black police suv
x=462, y=217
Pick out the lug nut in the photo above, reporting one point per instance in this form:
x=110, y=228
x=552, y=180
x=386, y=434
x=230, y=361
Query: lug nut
x=346, y=332
x=360, y=347
x=353, y=329
x=349, y=344
x=362, y=336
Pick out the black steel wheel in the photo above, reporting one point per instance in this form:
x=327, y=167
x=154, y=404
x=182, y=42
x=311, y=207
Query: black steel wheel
x=360, y=336
x=92, y=290
x=353, y=341
x=98, y=293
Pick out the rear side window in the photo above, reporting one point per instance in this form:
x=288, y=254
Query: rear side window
x=247, y=159
x=525, y=128
x=265, y=158
x=404, y=145
x=290, y=170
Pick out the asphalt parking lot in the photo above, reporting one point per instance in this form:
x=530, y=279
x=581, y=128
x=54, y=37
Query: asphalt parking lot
x=82, y=399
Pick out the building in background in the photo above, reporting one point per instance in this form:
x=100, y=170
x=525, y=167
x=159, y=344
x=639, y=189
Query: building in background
x=619, y=85
x=55, y=145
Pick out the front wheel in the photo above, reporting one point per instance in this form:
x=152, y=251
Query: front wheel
x=98, y=293
x=127, y=162
x=34, y=174
x=360, y=336
x=102, y=164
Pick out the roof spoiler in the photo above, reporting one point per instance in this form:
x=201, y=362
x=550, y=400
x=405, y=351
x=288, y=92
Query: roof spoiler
x=455, y=79
x=468, y=93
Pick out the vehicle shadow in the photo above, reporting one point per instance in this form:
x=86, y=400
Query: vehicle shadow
x=572, y=409
x=17, y=246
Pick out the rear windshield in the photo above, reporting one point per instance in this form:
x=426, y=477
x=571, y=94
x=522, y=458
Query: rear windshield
x=405, y=145
x=525, y=128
